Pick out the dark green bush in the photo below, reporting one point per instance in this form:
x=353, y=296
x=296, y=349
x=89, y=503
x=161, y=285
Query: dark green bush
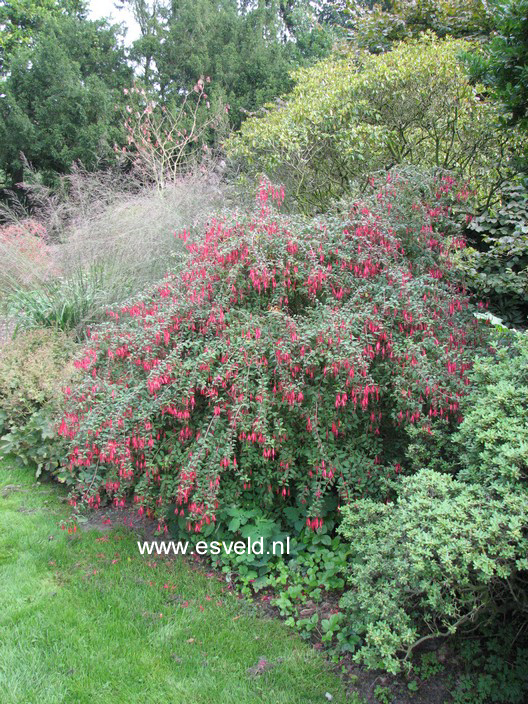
x=496, y=262
x=503, y=65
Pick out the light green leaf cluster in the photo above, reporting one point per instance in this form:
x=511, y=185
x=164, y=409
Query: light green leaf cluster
x=445, y=553
x=33, y=368
x=493, y=438
x=358, y=113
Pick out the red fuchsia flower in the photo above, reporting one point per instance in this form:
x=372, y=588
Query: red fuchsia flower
x=271, y=341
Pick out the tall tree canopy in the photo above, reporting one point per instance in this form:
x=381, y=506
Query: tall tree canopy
x=59, y=95
x=21, y=20
x=247, y=49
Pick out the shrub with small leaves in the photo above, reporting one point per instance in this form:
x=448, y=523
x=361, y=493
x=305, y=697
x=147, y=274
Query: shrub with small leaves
x=444, y=555
x=282, y=363
x=34, y=367
x=493, y=439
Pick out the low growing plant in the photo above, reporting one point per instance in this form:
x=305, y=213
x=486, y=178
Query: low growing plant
x=444, y=557
x=63, y=304
x=34, y=367
x=495, y=667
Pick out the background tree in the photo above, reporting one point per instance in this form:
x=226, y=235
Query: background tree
x=59, y=98
x=503, y=66
x=22, y=19
x=151, y=18
x=376, y=26
x=247, y=50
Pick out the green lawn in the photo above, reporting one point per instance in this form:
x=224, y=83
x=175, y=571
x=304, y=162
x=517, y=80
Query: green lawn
x=84, y=618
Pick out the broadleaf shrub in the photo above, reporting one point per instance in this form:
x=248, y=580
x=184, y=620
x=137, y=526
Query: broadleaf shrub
x=377, y=28
x=350, y=115
x=449, y=556
x=281, y=362
x=495, y=264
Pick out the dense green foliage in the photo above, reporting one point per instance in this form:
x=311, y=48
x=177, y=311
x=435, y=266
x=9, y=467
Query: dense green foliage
x=33, y=369
x=33, y=366
x=323, y=374
x=493, y=438
x=339, y=331
x=21, y=20
x=63, y=75
x=377, y=26
x=504, y=64
x=495, y=264
x=350, y=116
x=61, y=304
x=248, y=51
x=60, y=95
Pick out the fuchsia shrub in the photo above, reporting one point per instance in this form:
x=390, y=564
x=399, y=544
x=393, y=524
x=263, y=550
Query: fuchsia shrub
x=281, y=364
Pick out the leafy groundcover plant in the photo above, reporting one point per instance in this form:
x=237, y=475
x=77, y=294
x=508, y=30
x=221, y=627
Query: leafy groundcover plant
x=281, y=363
x=34, y=366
